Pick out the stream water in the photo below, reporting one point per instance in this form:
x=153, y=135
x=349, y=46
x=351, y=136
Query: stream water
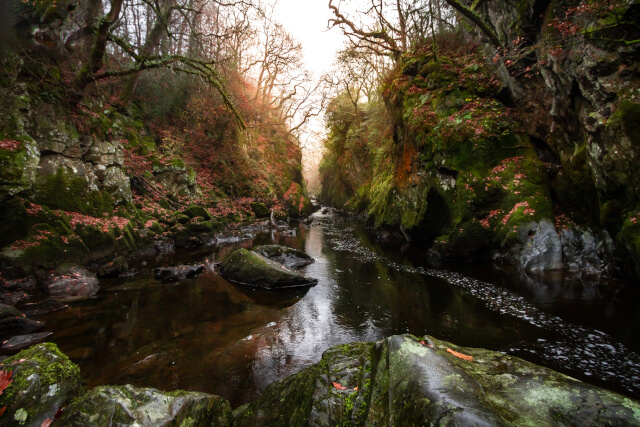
x=209, y=335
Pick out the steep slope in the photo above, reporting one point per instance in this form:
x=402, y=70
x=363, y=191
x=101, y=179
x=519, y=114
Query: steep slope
x=523, y=156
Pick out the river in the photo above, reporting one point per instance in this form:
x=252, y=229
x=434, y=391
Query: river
x=209, y=335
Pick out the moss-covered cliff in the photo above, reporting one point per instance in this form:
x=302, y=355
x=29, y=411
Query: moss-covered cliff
x=523, y=156
x=90, y=179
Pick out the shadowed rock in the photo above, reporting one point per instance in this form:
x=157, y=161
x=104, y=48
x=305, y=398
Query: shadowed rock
x=289, y=257
x=13, y=322
x=253, y=269
x=69, y=281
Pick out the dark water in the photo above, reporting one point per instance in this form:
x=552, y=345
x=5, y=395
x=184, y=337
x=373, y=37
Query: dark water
x=209, y=335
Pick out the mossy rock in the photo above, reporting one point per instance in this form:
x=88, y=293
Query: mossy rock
x=99, y=242
x=629, y=240
x=250, y=268
x=405, y=380
x=18, y=165
x=260, y=210
x=68, y=192
x=131, y=406
x=199, y=227
x=43, y=381
x=197, y=211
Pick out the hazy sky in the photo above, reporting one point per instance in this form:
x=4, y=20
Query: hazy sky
x=307, y=20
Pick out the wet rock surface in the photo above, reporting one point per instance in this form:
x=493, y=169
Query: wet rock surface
x=131, y=406
x=404, y=380
x=19, y=342
x=13, y=322
x=289, y=257
x=69, y=281
x=253, y=269
x=174, y=274
x=43, y=380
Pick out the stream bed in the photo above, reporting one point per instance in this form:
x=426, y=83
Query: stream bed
x=207, y=334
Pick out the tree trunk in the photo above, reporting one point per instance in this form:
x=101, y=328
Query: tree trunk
x=151, y=42
x=85, y=75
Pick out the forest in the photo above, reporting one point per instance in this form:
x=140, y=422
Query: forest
x=269, y=212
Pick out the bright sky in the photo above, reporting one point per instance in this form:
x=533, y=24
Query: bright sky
x=307, y=20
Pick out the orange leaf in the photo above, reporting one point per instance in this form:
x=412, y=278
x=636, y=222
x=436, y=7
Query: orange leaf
x=339, y=386
x=460, y=355
x=422, y=342
x=47, y=422
x=355, y=388
x=4, y=408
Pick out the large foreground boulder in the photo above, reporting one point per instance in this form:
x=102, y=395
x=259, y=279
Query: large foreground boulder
x=289, y=257
x=42, y=381
x=407, y=381
x=131, y=406
x=253, y=269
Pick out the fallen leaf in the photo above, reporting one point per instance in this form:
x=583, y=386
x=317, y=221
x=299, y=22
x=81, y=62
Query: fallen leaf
x=47, y=422
x=339, y=386
x=355, y=388
x=460, y=355
x=4, y=408
x=422, y=342
x=5, y=380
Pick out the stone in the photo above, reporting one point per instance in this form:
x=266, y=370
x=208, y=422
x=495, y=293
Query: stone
x=181, y=272
x=404, y=380
x=197, y=211
x=260, y=210
x=18, y=167
x=19, y=342
x=250, y=268
x=289, y=257
x=36, y=309
x=13, y=322
x=131, y=406
x=114, y=268
x=543, y=250
x=43, y=381
x=69, y=280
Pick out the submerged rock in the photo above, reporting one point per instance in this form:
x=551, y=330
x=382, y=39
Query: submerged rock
x=181, y=272
x=69, y=281
x=405, y=381
x=253, y=269
x=132, y=406
x=43, y=380
x=289, y=257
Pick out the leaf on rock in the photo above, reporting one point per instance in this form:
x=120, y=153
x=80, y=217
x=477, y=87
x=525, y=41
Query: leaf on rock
x=339, y=386
x=5, y=380
x=47, y=422
x=460, y=355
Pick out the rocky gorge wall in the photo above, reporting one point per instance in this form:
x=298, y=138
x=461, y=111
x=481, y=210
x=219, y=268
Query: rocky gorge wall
x=88, y=182
x=524, y=156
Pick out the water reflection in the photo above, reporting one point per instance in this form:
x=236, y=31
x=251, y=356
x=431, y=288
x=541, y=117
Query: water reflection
x=209, y=335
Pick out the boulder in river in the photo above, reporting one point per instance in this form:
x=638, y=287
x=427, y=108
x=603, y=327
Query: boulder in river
x=250, y=268
x=402, y=380
x=131, y=406
x=19, y=342
x=289, y=257
x=43, y=380
x=114, y=268
x=69, y=281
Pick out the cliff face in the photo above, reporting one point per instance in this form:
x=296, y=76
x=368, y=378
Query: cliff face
x=525, y=157
x=86, y=181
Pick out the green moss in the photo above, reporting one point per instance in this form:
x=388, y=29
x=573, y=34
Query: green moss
x=67, y=192
x=627, y=118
